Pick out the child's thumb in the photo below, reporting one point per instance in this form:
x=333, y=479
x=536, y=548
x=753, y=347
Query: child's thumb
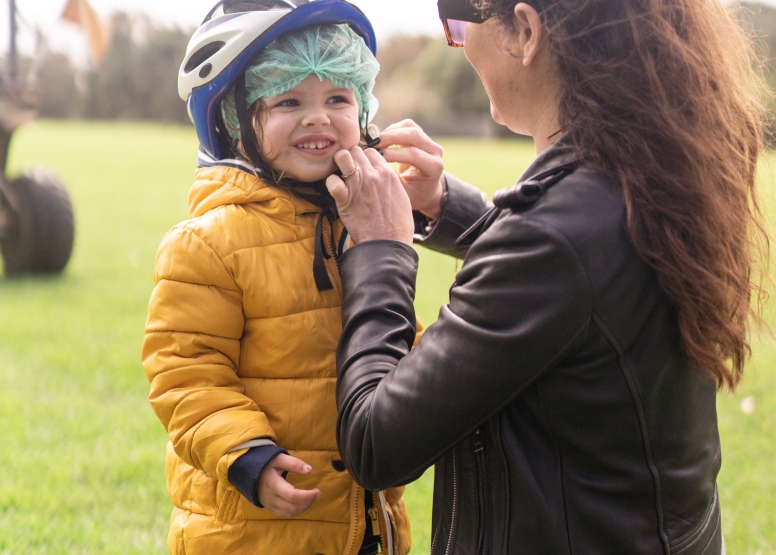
x=292, y=464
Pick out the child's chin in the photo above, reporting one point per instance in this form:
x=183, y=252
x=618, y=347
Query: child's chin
x=312, y=176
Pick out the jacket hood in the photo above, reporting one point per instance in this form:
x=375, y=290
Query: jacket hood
x=217, y=186
x=221, y=185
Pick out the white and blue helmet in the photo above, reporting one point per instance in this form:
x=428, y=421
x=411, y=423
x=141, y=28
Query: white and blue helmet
x=223, y=46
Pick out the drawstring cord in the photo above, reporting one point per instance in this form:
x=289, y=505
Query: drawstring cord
x=325, y=201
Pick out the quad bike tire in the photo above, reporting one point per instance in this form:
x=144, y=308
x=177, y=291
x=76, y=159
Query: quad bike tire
x=42, y=230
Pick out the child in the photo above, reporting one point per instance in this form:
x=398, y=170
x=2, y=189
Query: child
x=245, y=316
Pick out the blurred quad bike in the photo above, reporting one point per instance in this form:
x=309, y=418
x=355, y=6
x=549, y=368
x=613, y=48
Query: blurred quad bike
x=37, y=226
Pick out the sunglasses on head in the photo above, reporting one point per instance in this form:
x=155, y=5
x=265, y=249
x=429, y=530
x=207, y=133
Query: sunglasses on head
x=456, y=16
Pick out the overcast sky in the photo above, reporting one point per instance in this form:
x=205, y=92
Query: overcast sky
x=387, y=16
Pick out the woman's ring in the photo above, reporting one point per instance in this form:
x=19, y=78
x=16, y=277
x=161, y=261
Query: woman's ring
x=351, y=174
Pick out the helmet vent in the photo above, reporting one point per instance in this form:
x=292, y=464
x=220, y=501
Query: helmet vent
x=202, y=55
x=237, y=6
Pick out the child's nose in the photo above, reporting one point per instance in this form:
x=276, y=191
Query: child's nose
x=316, y=116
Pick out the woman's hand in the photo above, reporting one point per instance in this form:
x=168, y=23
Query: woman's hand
x=420, y=165
x=370, y=197
x=279, y=496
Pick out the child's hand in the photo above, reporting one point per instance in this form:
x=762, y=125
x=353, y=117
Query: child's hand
x=279, y=496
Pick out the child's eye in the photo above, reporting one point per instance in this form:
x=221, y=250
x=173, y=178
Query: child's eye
x=338, y=100
x=288, y=102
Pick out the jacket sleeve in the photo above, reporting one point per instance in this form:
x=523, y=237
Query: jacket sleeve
x=463, y=205
x=191, y=353
x=521, y=302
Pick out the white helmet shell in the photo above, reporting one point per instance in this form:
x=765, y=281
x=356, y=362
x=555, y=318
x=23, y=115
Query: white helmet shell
x=218, y=43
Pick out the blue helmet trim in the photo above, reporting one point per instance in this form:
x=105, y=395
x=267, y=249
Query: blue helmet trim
x=203, y=101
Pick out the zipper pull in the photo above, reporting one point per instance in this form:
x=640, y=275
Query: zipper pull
x=478, y=442
x=375, y=521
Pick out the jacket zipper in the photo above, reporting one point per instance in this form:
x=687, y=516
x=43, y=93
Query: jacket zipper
x=433, y=542
x=388, y=524
x=483, y=497
x=454, y=511
x=455, y=504
x=374, y=520
x=355, y=518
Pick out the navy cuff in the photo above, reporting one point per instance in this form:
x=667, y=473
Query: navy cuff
x=245, y=472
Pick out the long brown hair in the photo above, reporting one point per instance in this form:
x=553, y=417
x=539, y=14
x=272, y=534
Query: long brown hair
x=664, y=96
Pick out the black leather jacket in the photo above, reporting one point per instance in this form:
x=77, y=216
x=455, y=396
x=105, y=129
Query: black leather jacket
x=552, y=393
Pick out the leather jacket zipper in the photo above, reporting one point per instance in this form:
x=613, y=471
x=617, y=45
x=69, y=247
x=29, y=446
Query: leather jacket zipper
x=483, y=494
x=454, y=511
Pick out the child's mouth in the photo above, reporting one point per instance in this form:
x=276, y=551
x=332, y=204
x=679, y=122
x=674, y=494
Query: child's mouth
x=315, y=147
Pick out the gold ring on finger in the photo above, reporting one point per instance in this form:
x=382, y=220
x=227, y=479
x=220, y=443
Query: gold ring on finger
x=351, y=174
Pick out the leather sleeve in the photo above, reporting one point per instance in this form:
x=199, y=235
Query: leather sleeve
x=191, y=352
x=463, y=205
x=521, y=303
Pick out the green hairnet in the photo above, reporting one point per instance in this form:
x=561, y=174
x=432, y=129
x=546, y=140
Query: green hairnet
x=333, y=52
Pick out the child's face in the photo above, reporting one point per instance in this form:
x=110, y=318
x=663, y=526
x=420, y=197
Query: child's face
x=305, y=127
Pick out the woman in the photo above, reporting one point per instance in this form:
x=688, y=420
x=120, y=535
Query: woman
x=567, y=392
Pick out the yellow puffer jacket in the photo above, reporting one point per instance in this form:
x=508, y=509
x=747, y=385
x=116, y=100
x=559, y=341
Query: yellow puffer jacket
x=240, y=345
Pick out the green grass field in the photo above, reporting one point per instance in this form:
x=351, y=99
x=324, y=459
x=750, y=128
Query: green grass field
x=81, y=453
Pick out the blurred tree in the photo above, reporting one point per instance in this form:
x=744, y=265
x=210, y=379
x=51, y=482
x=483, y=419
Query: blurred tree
x=112, y=89
x=400, y=52
x=447, y=71
x=426, y=80
x=58, y=94
x=760, y=21
x=138, y=78
x=159, y=59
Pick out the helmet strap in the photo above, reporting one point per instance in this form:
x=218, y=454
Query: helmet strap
x=247, y=136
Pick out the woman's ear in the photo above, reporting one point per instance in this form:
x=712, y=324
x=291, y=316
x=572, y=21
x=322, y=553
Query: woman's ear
x=527, y=34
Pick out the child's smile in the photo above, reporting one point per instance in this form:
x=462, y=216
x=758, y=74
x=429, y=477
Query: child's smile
x=305, y=127
x=315, y=145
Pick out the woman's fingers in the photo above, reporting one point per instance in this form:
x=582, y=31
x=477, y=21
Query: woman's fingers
x=344, y=161
x=425, y=163
x=421, y=166
x=353, y=166
x=410, y=136
x=402, y=123
x=338, y=189
x=336, y=185
x=371, y=201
